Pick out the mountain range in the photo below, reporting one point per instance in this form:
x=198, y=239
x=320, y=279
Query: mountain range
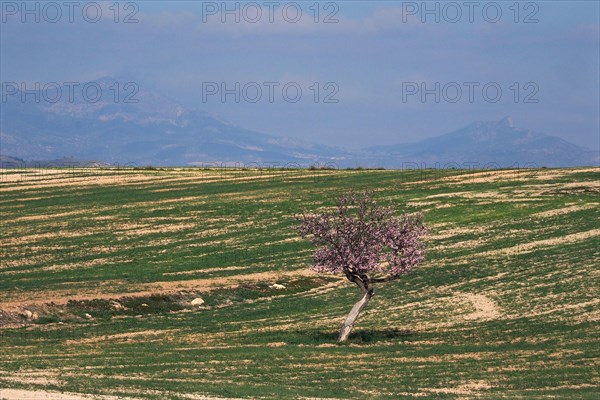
x=489, y=144
x=156, y=130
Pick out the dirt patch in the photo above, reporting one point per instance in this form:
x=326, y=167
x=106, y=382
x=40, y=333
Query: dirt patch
x=50, y=235
x=525, y=247
x=154, y=288
x=421, y=203
x=69, y=179
x=232, y=281
x=485, y=308
x=447, y=233
x=20, y=394
x=513, y=175
x=45, y=217
x=30, y=378
x=277, y=344
x=567, y=307
x=139, y=336
x=85, y=264
x=470, y=388
x=165, y=228
x=564, y=210
x=204, y=270
x=451, y=194
x=462, y=245
x=489, y=176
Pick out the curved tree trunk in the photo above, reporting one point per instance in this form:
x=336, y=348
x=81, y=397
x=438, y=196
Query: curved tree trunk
x=354, y=313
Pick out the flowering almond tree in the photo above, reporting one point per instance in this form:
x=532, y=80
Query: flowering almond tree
x=367, y=243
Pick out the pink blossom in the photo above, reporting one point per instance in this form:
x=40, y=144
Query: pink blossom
x=361, y=237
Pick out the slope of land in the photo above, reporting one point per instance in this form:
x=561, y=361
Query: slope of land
x=99, y=268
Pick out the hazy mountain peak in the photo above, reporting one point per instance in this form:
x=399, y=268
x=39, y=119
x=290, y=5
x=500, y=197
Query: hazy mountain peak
x=490, y=142
x=506, y=121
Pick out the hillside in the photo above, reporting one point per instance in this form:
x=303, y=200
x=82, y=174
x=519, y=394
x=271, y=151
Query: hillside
x=506, y=305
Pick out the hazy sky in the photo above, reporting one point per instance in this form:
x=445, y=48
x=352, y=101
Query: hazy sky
x=374, y=58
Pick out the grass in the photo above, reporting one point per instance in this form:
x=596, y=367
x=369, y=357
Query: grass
x=506, y=304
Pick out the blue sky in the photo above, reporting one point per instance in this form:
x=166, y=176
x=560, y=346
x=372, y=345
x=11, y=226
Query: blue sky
x=370, y=58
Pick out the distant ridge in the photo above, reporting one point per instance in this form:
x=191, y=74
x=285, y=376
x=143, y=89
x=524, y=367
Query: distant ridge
x=65, y=162
x=151, y=130
x=156, y=130
x=490, y=143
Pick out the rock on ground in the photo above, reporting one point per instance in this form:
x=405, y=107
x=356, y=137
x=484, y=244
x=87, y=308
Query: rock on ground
x=197, y=301
x=277, y=286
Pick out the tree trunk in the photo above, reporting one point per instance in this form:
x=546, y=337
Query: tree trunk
x=354, y=313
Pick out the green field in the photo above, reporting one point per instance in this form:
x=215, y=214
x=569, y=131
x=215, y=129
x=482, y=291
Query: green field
x=507, y=303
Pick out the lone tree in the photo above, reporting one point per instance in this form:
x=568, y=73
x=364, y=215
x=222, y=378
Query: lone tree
x=367, y=243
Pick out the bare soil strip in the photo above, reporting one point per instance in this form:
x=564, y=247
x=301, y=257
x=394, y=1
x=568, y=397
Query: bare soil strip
x=572, y=238
x=62, y=297
x=565, y=210
x=21, y=394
